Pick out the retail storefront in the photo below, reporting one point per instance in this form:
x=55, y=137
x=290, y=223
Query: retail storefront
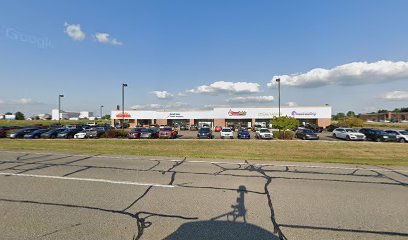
x=223, y=117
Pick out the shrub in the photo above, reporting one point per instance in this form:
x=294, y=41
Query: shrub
x=351, y=122
x=285, y=135
x=285, y=123
x=113, y=133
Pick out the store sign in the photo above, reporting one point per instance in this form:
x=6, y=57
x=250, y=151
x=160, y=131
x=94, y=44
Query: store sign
x=175, y=115
x=237, y=113
x=294, y=114
x=123, y=115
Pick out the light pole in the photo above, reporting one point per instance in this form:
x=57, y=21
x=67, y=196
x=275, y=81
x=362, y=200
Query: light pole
x=59, y=108
x=123, y=105
x=101, y=111
x=278, y=81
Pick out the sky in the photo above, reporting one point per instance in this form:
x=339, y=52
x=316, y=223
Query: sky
x=180, y=54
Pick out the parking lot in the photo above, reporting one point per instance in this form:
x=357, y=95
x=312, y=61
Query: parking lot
x=68, y=196
x=217, y=135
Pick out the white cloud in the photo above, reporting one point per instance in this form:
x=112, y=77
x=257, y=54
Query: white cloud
x=162, y=94
x=105, y=38
x=396, y=96
x=354, y=73
x=180, y=94
x=24, y=101
x=227, y=87
x=74, y=31
x=292, y=104
x=251, y=99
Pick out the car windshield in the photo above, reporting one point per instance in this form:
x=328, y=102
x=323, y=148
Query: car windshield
x=351, y=130
x=166, y=129
x=144, y=130
x=308, y=131
x=204, y=130
x=264, y=131
x=403, y=132
x=226, y=130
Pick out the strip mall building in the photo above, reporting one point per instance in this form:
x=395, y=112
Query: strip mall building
x=224, y=116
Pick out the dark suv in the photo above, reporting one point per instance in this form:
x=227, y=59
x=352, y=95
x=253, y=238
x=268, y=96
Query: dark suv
x=204, y=132
x=378, y=135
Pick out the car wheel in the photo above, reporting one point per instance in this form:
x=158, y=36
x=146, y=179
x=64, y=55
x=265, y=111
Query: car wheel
x=304, y=137
x=347, y=138
x=222, y=137
x=334, y=135
x=378, y=139
x=402, y=140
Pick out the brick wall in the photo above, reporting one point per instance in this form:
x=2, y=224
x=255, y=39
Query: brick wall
x=161, y=121
x=219, y=122
x=323, y=122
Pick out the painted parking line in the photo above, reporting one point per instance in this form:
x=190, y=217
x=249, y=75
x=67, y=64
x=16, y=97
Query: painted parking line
x=89, y=180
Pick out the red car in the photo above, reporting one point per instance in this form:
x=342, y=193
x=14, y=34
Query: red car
x=168, y=132
x=135, y=133
x=218, y=129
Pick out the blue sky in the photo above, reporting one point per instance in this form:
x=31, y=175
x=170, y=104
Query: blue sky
x=232, y=49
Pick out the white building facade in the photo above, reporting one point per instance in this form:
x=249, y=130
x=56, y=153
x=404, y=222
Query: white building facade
x=224, y=116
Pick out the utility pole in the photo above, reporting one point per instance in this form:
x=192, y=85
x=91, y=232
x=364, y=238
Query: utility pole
x=59, y=108
x=123, y=106
x=279, y=97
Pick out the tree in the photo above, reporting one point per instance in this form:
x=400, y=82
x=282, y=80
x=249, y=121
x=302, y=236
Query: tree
x=338, y=116
x=285, y=123
x=351, y=122
x=8, y=113
x=19, y=116
x=382, y=111
x=107, y=117
x=404, y=109
x=351, y=114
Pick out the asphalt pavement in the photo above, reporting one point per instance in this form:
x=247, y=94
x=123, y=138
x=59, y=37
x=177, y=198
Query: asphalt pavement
x=67, y=196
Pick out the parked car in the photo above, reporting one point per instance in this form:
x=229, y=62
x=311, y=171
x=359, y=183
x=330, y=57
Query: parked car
x=257, y=127
x=244, y=134
x=134, y=133
x=69, y=133
x=205, y=133
x=55, y=125
x=193, y=128
x=82, y=134
x=92, y=124
x=3, y=133
x=378, y=135
x=348, y=134
x=20, y=133
x=312, y=127
x=95, y=132
x=149, y=133
x=264, y=133
x=168, y=132
x=402, y=135
x=227, y=133
x=306, y=134
x=36, y=133
x=218, y=129
x=331, y=127
x=184, y=128
x=52, y=133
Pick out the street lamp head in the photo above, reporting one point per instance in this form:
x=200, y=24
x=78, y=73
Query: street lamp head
x=124, y=84
x=61, y=95
x=277, y=80
x=102, y=106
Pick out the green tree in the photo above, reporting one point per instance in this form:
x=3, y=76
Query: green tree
x=404, y=109
x=8, y=113
x=107, y=116
x=351, y=114
x=351, y=122
x=382, y=111
x=285, y=123
x=19, y=116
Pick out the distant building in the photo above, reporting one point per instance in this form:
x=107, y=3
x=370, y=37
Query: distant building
x=8, y=117
x=71, y=115
x=388, y=116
